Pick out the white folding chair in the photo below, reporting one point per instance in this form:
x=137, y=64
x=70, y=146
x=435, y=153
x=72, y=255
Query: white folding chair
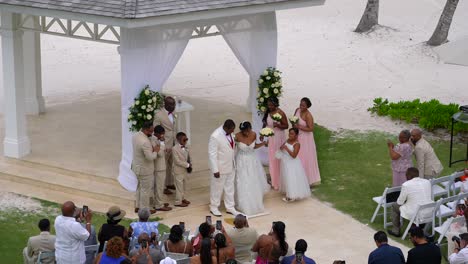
x=452, y=186
x=164, y=237
x=382, y=202
x=417, y=219
x=186, y=234
x=179, y=258
x=92, y=249
x=438, y=190
x=46, y=256
x=442, y=210
x=443, y=229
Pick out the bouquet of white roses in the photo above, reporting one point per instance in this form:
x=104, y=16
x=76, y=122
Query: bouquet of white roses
x=294, y=120
x=143, y=107
x=267, y=132
x=269, y=85
x=277, y=117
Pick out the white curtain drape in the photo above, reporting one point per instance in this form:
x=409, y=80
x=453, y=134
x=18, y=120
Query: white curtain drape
x=253, y=39
x=148, y=56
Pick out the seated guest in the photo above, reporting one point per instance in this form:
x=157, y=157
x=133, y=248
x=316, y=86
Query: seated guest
x=92, y=240
x=114, y=253
x=204, y=231
x=385, y=254
x=272, y=246
x=176, y=242
x=423, y=251
x=112, y=228
x=243, y=238
x=223, y=251
x=205, y=257
x=456, y=229
x=151, y=248
x=460, y=253
x=143, y=226
x=41, y=243
x=414, y=192
x=299, y=256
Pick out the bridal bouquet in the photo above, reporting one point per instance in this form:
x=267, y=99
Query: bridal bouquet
x=269, y=85
x=143, y=107
x=294, y=120
x=267, y=132
x=276, y=117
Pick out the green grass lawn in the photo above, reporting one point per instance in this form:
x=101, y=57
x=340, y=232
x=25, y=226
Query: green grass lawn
x=17, y=226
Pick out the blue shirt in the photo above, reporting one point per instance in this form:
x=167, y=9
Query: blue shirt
x=289, y=259
x=386, y=254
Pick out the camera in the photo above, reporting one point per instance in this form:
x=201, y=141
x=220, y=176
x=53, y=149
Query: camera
x=208, y=219
x=456, y=239
x=219, y=225
x=85, y=210
x=299, y=256
x=182, y=226
x=144, y=244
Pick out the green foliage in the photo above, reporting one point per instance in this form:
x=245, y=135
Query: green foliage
x=143, y=108
x=429, y=115
x=269, y=85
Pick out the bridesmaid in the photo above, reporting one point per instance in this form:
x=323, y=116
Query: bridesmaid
x=308, y=153
x=275, y=142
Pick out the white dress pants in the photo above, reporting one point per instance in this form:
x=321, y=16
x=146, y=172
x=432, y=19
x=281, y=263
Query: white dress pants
x=225, y=183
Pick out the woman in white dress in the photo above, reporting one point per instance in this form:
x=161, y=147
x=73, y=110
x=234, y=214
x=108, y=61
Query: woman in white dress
x=294, y=181
x=251, y=183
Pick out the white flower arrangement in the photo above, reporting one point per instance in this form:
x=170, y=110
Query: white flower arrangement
x=294, y=120
x=269, y=85
x=267, y=132
x=142, y=109
x=277, y=117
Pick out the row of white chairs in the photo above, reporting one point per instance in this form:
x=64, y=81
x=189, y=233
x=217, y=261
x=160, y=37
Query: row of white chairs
x=48, y=255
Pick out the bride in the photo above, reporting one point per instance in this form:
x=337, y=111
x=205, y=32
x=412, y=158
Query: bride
x=251, y=183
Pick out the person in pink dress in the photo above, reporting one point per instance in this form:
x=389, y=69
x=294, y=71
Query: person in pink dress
x=308, y=153
x=276, y=141
x=401, y=157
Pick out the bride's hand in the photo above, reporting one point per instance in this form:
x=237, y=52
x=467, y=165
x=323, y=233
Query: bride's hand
x=261, y=138
x=265, y=143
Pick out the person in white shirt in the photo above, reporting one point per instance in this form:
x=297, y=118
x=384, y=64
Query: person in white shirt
x=70, y=236
x=414, y=192
x=460, y=253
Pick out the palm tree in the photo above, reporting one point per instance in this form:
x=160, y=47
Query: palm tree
x=370, y=17
x=441, y=32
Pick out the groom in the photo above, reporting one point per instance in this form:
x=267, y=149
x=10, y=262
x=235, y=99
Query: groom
x=221, y=148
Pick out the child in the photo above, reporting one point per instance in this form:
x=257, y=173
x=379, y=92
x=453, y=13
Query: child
x=182, y=165
x=159, y=170
x=293, y=179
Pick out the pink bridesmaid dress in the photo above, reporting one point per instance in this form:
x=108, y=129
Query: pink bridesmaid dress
x=308, y=153
x=274, y=144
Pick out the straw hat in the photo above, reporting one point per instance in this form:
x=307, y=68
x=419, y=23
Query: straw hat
x=114, y=213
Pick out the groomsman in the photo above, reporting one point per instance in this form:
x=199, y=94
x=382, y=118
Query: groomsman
x=182, y=166
x=159, y=170
x=144, y=155
x=165, y=117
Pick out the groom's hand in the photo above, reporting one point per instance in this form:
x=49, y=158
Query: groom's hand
x=216, y=175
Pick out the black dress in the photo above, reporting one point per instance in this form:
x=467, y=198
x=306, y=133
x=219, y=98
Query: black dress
x=109, y=231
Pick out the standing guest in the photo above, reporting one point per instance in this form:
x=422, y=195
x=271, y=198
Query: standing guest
x=159, y=169
x=112, y=228
x=176, y=242
x=308, y=153
x=144, y=155
x=182, y=165
x=460, y=253
x=205, y=256
x=92, y=239
x=221, y=149
x=299, y=256
x=243, y=238
x=272, y=246
x=70, y=236
x=428, y=164
x=223, y=251
x=401, y=157
x=385, y=254
x=42, y=243
x=114, y=252
x=154, y=252
x=414, y=192
x=143, y=226
x=423, y=251
x=166, y=118
x=293, y=179
x=276, y=141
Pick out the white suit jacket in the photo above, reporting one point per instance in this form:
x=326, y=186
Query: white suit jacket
x=428, y=163
x=221, y=154
x=415, y=192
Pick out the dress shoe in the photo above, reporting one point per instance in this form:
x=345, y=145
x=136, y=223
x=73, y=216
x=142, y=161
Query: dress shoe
x=137, y=209
x=395, y=234
x=181, y=205
x=152, y=211
x=185, y=201
x=233, y=212
x=167, y=191
x=216, y=213
x=165, y=208
x=172, y=187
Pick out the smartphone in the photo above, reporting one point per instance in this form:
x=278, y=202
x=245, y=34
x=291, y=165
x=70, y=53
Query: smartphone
x=144, y=244
x=219, y=225
x=208, y=219
x=85, y=210
x=299, y=256
x=182, y=225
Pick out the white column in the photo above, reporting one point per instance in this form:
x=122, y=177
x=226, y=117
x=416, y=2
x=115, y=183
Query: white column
x=32, y=71
x=16, y=142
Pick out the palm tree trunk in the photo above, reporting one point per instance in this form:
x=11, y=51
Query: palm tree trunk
x=441, y=32
x=370, y=17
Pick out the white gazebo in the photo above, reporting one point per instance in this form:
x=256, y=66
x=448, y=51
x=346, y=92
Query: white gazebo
x=151, y=35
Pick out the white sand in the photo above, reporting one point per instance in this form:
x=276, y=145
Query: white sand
x=320, y=56
x=11, y=201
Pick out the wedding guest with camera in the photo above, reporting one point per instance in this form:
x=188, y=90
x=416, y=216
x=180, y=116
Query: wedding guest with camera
x=182, y=166
x=385, y=254
x=299, y=255
x=159, y=170
x=92, y=239
x=43, y=242
x=272, y=246
x=460, y=253
x=112, y=228
x=205, y=230
x=243, y=238
x=401, y=157
x=428, y=164
x=176, y=242
x=423, y=252
x=223, y=250
x=146, y=244
x=205, y=256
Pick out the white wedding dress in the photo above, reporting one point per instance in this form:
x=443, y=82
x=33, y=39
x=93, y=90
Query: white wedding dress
x=251, y=183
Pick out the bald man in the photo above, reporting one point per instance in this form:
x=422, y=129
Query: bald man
x=70, y=235
x=428, y=164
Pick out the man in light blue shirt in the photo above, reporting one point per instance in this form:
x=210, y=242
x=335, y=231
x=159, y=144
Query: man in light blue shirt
x=299, y=256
